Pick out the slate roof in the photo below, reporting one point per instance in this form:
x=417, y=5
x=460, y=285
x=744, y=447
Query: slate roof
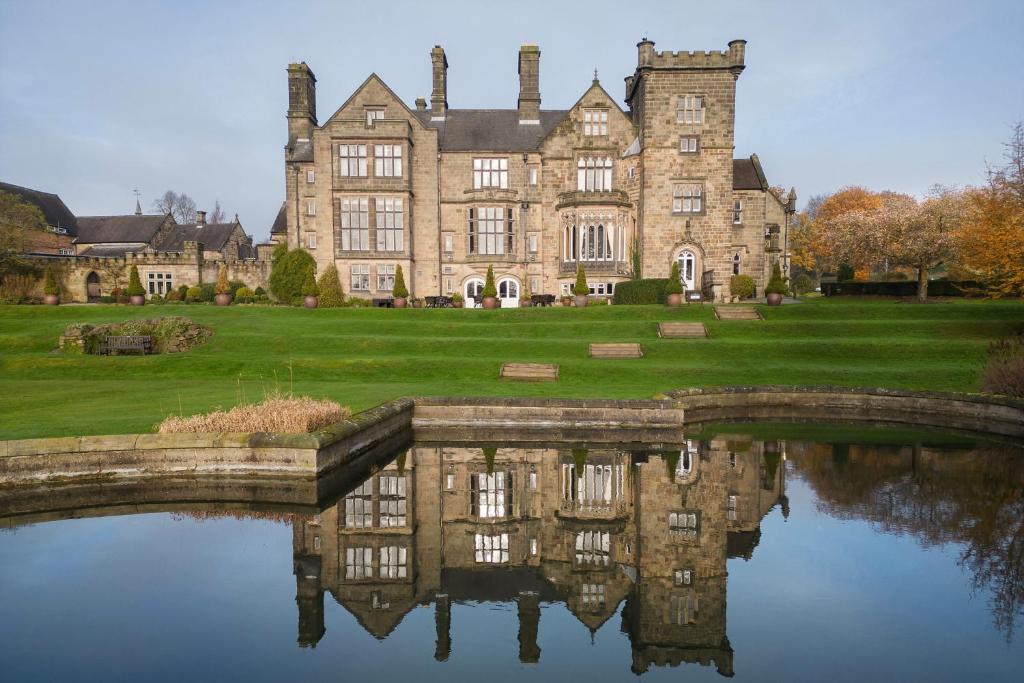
x=111, y=250
x=213, y=236
x=747, y=174
x=280, y=225
x=118, y=229
x=54, y=210
x=490, y=130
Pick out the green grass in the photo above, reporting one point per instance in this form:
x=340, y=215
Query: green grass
x=361, y=357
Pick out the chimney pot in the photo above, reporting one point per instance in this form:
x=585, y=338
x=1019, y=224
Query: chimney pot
x=200, y=219
x=529, y=84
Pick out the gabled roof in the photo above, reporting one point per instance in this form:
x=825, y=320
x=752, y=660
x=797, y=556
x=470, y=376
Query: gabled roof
x=747, y=174
x=55, y=212
x=112, y=250
x=280, y=225
x=490, y=130
x=213, y=236
x=118, y=229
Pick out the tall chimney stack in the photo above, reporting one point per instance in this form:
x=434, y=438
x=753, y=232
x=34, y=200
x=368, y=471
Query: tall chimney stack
x=529, y=84
x=301, y=102
x=439, y=94
x=200, y=219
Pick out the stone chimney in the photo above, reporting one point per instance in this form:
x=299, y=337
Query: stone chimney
x=301, y=102
x=439, y=94
x=200, y=219
x=529, y=84
x=421, y=104
x=644, y=52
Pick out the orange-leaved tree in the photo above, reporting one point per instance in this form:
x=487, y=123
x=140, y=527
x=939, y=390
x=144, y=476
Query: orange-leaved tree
x=831, y=237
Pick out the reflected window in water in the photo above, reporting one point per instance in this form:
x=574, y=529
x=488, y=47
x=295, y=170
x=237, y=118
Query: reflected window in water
x=359, y=506
x=684, y=524
x=491, y=549
x=358, y=563
x=593, y=548
x=392, y=500
x=592, y=595
x=683, y=610
x=392, y=562
x=491, y=494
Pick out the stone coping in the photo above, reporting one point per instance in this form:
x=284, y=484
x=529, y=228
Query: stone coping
x=989, y=399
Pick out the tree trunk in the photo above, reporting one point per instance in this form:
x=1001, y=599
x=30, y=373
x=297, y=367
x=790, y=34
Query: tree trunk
x=922, y=284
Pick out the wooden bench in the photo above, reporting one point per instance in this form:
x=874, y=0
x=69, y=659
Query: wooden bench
x=737, y=313
x=529, y=372
x=543, y=299
x=682, y=330
x=115, y=345
x=384, y=303
x=616, y=351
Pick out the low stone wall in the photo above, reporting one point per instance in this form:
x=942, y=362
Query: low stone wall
x=968, y=412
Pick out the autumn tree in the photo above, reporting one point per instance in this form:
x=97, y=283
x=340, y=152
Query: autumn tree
x=181, y=206
x=18, y=218
x=826, y=239
x=991, y=240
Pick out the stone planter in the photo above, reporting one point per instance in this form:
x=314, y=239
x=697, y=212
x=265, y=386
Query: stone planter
x=582, y=300
x=458, y=304
x=491, y=302
x=138, y=299
x=417, y=303
x=310, y=302
x=51, y=299
x=567, y=301
x=224, y=299
x=401, y=302
x=773, y=299
x=673, y=300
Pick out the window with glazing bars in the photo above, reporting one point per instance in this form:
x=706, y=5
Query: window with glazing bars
x=354, y=216
x=593, y=548
x=358, y=563
x=490, y=495
x=737, y=211
x=386, y=277
x=393, y=562
x=387, y=161
x=594, y=174
x=361, y=278
x=683, y=524
x=595, y=122
x=490, y=173
x=359, y=506
x=683, y=609
x=490, y=230
x=392, y=500
x=390, y=223
x=352, y=161
x=688, y=198
x=690, y=109
x=491, y=549
x=592, y=595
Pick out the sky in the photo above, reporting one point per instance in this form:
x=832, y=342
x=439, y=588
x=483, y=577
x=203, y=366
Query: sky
x=100, y=98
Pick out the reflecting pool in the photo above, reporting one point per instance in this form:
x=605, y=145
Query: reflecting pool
x=840, y=555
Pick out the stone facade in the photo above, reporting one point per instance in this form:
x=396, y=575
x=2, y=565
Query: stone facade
x=444, y=192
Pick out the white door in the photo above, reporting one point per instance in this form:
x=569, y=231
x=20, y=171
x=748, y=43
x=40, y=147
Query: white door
x=508, y=293
x=687, y=270
x=474, y=292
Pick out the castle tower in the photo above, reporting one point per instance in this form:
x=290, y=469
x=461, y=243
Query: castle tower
x=684, y=104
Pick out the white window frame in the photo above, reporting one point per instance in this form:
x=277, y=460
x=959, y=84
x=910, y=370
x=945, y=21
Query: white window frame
x=385, y=277
x=689, y=144
x=690, y=109
x=390, y=223
x=352, y=161
x=387, y=161
x=360, y=278
x=534, y=176
x=532, y=242
x=310, y=207
x=310, y=176
x=491, y=230
x=373, y=114
x=354, y=223
x=491, y=548
x=393, y=562
x=594, y=174
x=448, y=242
x=490, y=172
x=358, y=563
x=737, y=212
x=311, y=240
x=595, y=122
x=688, y=198
x=160, y=283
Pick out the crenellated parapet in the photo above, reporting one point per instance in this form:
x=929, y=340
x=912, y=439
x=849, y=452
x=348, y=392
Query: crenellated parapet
x=732, y=58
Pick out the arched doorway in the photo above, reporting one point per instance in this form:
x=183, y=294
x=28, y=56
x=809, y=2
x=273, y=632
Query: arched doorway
x=473, y=291
x=92, y=287
x=508, y=293
x=688, y=269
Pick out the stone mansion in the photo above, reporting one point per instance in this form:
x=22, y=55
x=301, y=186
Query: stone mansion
x=446, y=192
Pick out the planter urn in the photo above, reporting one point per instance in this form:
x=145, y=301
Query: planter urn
x=310, y=302
x=525, y=303
x=582, y=300
x=458, y=304
x=401, y=302
x=774, y=299
x=51, y=299
x=673, y=300
x=138, y=299
x=566, y=301
x=417, y=303
x=490, y=302
x=224, y=299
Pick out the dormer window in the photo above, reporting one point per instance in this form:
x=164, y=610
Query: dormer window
x=595, y=122
x=374, y=114
x=690, y=109
x=594, y=174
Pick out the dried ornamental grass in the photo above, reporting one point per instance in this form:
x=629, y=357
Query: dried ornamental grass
x=278, y=414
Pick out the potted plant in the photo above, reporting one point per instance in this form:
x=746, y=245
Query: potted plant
x=223, y=289
x=490, y=292
x=776, y=287
x=581, y=289
x=136, y=294
x=458, y=301
x=399, y=291
x=417, y=302
x=674, y=288
x=309, y=290
x=51, y=290
x=566, y=300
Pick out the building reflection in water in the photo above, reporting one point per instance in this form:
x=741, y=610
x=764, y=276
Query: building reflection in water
x=588, y=528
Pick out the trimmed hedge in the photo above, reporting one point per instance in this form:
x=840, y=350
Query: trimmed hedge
x=636, y=292
x=899, y=288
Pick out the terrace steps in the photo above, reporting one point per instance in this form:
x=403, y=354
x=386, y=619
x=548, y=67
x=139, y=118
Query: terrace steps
x=737, y=313
x=529, y=372
x=682, y=330
x=631, y=350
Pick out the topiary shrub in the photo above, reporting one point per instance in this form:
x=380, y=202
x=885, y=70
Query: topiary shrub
x=222, y=286
x=803, y=284
x=675, y=283
x=640, y=292
x=777, y=284
x=490, y=289
x=399, y=291
x=331, y=293
x=134, y=283
x=581, y=288
x=288, y=274
x=50, y=285
x=193, y=294
x=742, y=286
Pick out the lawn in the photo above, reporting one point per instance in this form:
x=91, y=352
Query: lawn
x=361, y=357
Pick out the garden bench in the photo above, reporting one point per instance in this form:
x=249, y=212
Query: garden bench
x=529, y=372
x=387, y=302
x=616, y=351
x=682, y=330
x=543, y=299
x=113, y=345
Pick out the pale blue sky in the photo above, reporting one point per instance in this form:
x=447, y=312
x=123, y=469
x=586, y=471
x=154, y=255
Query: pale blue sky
x=97, y=98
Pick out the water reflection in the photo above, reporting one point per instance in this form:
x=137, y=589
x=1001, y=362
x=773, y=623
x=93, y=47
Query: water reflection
x=588, y=528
